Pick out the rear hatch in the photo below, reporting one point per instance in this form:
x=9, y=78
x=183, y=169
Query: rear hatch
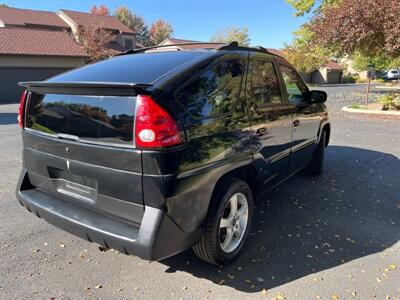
x=80, y=147
x=78, y=130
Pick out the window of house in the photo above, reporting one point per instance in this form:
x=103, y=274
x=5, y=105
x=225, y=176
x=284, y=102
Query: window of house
x=215, y=91
x=264, y=85
x=128, y=43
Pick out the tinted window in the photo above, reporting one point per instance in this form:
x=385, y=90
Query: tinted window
x=295, y=87
x=97, y=118
x=139, y=68
x=215, y=91
x=264, y=83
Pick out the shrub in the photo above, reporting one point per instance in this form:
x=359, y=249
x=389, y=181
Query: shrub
x=349, y=79
x=362, y=80
x=390, y=101
x=379, y=80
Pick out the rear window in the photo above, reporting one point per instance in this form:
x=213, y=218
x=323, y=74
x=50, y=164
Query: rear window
x=104, y=119
x=138, y=68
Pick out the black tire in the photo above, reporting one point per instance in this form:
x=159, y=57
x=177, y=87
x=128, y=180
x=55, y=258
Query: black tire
x=209, y=248
x=316, y=166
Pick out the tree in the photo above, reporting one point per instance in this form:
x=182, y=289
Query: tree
x=304, y=6
x=361, y=62
x=4, y=5
x=240, y=35
x=94, y=39
x=134, y=22
x=101, y=11
x=371, y=28
x=303, y=54
x=159, y=31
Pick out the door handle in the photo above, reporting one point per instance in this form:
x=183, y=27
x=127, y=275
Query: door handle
x=296, y=123
x=262, y=131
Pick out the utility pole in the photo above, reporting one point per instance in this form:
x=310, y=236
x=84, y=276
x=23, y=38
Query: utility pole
x=370, y=74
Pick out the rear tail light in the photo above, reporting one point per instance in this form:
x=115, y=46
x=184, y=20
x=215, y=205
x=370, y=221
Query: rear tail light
x=154, y=127
x=21, y=112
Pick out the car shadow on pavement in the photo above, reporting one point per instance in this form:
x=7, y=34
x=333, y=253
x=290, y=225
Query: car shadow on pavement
x=8, y=118
x=312, y=224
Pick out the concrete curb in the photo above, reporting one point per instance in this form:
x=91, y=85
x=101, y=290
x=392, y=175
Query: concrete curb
x=395, y=88
x=371, y=111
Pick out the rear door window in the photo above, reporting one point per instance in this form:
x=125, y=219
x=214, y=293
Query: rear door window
x=215, y=91
x=105, y=119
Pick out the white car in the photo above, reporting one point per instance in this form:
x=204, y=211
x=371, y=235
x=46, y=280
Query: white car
x=393, y=74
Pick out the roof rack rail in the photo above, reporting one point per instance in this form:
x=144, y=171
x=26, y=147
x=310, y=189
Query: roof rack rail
x=227, y=46
x=141, y=50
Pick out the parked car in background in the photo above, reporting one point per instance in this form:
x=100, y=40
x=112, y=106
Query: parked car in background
x=152, y=153
x=392, y=74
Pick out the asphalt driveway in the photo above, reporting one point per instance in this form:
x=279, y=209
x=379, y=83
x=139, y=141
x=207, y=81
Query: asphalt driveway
x=337, y=235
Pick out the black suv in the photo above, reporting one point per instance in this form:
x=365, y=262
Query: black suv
x=154, y=152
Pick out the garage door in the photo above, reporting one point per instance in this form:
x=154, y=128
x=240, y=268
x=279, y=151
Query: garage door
x=10, y=92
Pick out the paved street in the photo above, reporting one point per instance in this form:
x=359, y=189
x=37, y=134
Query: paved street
x=314, y=238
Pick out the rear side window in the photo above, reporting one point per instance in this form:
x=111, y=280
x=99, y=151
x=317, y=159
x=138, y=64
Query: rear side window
x=215, y=91
x=264, y=84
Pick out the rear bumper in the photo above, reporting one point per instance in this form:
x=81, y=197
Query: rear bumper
x=155, y=238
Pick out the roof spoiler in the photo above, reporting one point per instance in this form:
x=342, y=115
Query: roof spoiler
x=86, y=87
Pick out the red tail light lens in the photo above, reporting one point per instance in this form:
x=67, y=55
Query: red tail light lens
x=21, y=112
x=154, y=127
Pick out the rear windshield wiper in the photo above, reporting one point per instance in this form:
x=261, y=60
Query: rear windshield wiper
x=86, y=87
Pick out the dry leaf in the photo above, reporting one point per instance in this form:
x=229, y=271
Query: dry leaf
x=98, y=286
x=264, y=292
x=334, y=297
x=378, y=279
x=62, y=245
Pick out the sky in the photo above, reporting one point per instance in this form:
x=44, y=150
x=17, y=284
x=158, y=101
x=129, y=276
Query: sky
x=270, y=22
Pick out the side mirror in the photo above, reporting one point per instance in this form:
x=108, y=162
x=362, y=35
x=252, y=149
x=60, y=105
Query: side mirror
x=318, y=96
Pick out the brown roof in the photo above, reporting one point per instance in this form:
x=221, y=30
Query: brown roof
x=276, y=52
x=16, y=41
x=107, y=22
x=26, y=17
x=333, y=65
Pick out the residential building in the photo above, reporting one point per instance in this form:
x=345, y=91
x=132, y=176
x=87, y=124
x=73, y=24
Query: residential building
x=35, y=45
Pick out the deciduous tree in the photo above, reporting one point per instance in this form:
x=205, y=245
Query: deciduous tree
x=134, y=22
x=102, y=10
x=303, y=53
x=159, y=31
x=240, y=35
x=368, y=27
x=94, y=39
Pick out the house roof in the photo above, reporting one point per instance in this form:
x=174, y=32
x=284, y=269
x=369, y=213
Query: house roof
x=19, y=41
x=86, y=19
x=26, y=17
x=333, y=65
x=276, y=52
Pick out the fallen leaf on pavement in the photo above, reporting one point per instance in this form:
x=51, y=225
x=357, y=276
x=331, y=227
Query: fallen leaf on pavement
x=264, y=292
x=98, y=286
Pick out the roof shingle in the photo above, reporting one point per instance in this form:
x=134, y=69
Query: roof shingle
x=15, y=41
x=26, y=17
x=107, y=22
